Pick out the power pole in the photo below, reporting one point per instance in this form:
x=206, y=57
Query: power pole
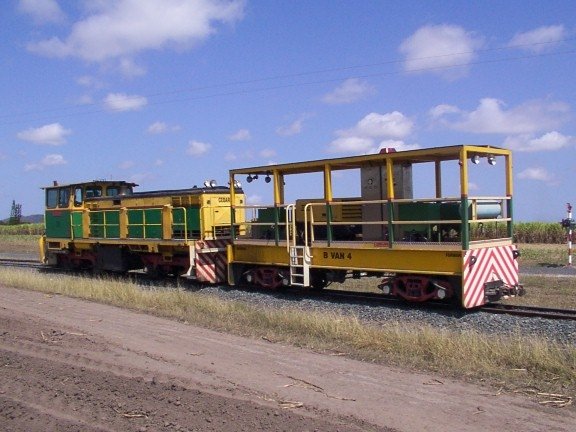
x=15, y=213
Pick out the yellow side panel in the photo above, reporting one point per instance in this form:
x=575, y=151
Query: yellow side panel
x=385, y=260
x=404, y=261
x=258, y=254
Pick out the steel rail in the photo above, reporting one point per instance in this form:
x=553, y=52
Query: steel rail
x=530, y=311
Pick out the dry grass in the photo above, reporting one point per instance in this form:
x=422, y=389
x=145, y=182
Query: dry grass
x=548, y=291
x=19, y=243
x=511, y=363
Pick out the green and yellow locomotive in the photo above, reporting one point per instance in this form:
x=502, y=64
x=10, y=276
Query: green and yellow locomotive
x=105, y=226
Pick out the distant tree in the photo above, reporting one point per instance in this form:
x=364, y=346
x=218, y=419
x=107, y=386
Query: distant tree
x=15, y=213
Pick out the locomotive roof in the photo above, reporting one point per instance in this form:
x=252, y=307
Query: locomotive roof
x=93, y=182
x=189, y=191
x=409, y=156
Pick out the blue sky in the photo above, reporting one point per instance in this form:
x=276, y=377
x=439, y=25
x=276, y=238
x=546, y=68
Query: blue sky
x=169, y=93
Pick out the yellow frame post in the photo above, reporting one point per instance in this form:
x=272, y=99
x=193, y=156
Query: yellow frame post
x=328, y=198
x=232, y=208
x=465, y=229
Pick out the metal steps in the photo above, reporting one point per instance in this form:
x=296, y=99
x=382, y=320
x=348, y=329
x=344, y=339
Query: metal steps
x=299, y=266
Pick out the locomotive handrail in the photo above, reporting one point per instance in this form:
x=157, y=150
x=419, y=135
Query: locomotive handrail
x=185, y=223
x=473, y=203
x=276, y=223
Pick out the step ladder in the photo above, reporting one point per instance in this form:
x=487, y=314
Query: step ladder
x=299, y=266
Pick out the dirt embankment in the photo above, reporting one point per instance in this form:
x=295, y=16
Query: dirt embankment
x=71, y=365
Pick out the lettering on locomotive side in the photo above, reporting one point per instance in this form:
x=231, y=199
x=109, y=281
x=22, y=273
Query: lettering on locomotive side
x=453, y=255
x=223, y=199
x=338, y=255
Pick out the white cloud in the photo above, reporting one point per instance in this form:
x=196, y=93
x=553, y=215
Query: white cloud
x=351, y=90
x=229, y=156
x=52, y=134
x=48, y=160
x=241, y=135
x=42, y=11
x=373, y=132
x=438, y=48
x=540, y=39
x=491, y=116
x=538, y=174
x=161, y=127
x=442, y=109
x=393, y=125
x=351, y=144
x=197, y=148
x=548, y=142
x=132, y=26
x=124, y=102
x=293, y=128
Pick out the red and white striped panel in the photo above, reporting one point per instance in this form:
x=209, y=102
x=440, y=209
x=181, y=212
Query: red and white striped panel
x=211, y=260
x=487, y=265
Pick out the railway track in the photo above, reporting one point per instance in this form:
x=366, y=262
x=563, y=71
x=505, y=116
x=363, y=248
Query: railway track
x=23, y=263
x=497, y=308
x=530, y=311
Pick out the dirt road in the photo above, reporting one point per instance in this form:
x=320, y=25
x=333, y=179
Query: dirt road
x=71, y=365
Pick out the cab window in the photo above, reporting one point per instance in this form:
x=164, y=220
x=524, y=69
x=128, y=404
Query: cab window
x=51, y=198
x=93, y=191
x=112, y=191
x=77, y=197
x=64, y=197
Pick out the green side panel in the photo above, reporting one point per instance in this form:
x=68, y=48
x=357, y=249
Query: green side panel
x=77, y=224
x=57, y=223
x=268, y=215
x=419, y=211
x=112, y=224
x=145, y=224
x=153, y=223
x=136, y=224
x=96, y=224
x=105, y=224
x=188, y=220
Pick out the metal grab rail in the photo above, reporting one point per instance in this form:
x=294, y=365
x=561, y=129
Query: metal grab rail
x=276, y=223
x=473, y=205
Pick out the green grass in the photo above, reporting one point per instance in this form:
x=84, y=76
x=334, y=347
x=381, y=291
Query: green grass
x=547, y=255
x=511, y=363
